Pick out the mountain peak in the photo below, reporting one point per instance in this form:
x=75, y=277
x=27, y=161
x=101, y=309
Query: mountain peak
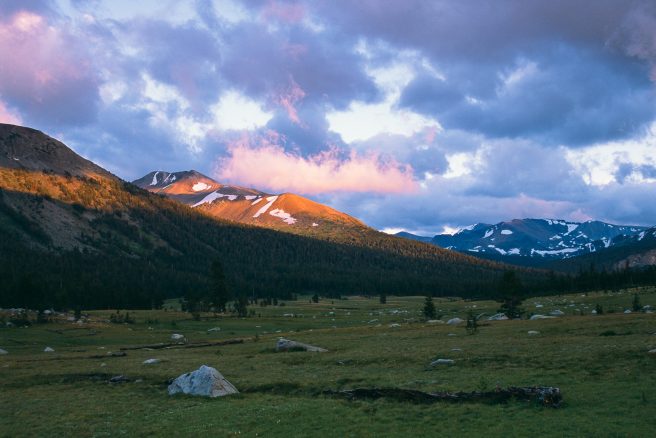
x=32, y=150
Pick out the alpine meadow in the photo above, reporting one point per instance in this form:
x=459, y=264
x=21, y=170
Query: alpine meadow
x=300, y=218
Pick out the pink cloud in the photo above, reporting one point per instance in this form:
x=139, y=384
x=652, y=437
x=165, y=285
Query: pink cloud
x=268, y=166
x=282, y=11
x=7, y=116
x=288, y=98
x=43, y=72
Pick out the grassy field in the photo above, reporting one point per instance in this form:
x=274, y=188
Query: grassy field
x=600, y=363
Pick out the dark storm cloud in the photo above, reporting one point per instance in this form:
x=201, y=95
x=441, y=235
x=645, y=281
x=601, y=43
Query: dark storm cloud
x=553, y=98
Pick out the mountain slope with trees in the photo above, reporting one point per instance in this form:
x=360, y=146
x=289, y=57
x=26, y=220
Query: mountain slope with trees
x=86, y=238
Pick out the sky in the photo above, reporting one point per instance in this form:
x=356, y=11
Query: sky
x=424, y=116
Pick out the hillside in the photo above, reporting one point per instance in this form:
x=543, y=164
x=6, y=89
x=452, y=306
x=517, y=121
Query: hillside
x=284, y=212
x=85, y=236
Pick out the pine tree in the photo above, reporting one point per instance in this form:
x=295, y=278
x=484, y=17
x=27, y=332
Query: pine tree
x=429, y=308
x=510, y=295
x=219, y=295
x=636, y=303
x=383, y=298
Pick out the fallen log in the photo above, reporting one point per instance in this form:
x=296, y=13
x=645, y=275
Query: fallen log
x=172, y=345
x=543, y=395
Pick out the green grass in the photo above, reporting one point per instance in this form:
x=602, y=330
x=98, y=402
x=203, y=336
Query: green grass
x=607, y=380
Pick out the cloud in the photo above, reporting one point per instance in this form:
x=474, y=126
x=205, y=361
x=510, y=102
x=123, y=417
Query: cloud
x=49, y=79
x=268, y=166
x=8, y=116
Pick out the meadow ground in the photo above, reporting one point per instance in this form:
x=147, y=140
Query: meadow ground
x=600, y=362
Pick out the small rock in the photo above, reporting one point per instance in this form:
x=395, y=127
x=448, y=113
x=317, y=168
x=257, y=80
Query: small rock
x=652, y=351
x=534, y=317
x=594, y=312
x=205, y=381
x=151, y=361
x=443, y=362
x=452, y=334
x=3, y=351
x=533, y=332
x=498, y=317
x=627, y=311
x=556, y=312
x=435, y=321
x=455, y=321
x=286, y=345
x=103, y=364
x=394, y=325
x=48, y=350
x=456, y=349
x=214, y=329
x=177, y=337
x=119, y=379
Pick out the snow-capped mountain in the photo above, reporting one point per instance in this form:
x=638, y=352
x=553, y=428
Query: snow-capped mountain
x=285, y=211
x=536, y=238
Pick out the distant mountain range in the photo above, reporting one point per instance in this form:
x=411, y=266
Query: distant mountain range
x=284, y=212
x=536, y=242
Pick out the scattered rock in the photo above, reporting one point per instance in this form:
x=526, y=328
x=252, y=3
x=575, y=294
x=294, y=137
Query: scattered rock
x=452, y=334
x=119, y=379
x=214, y=329
x=151, y=361
x=48, y=350
x=455, y=321
x=533, y=332
x=442, y=362
x=394, y=325
x=205, y=381
x=435, y=321
x=286, y=345
x=3, y=351
x=556, y=312
x=534, y=317
x=498, y=317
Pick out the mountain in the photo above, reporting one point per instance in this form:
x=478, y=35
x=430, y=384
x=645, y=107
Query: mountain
x=73, y=234
x=285, y=212
x=626, y=251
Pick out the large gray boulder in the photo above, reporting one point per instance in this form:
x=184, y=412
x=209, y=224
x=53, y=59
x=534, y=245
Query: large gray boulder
x=205, y=381
x=3, y=351
x=286, y=345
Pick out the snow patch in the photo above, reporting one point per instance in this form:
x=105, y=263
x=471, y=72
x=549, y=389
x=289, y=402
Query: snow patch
x=501, y=251
x=556, y=251
x=282, y=214
x=200, y=186
x=488, y=233
x=571, y=227
x=250, y=197
x=154, y=182
x=640, y=237
x=209, y=198
x=264, y=209
x=256, y=201
x=513, y=251
x=506, y=232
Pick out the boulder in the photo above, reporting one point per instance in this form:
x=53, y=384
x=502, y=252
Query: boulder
x=177, y=337
x=442, y=362
x=533, y=332
x=205, y=381
x=652, y=351
x=48, y=350
x=3, y=351
x=498, y=317
x=556, y=312
x=151, y=361
x=627, y=311
x=455, y=321
x=394, y=325
x=286, y=345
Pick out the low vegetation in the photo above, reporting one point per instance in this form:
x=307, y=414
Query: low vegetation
x=600, y=362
